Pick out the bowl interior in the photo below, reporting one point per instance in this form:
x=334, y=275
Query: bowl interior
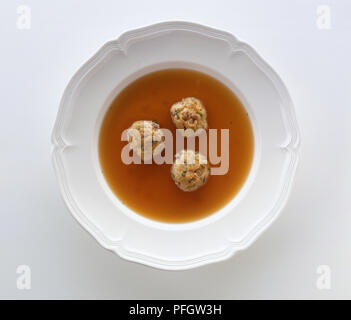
x=154, y=223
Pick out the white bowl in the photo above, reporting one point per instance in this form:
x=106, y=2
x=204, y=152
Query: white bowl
x=112, y=68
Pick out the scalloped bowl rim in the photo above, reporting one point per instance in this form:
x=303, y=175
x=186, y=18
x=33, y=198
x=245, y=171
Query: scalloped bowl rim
x=292, y=146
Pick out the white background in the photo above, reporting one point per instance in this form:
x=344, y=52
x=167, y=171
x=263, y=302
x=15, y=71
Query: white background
x=36, y=228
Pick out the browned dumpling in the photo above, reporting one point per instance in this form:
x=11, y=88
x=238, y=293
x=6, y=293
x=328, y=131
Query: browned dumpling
x=189, y=171
x=189, y=113
x=145, y=138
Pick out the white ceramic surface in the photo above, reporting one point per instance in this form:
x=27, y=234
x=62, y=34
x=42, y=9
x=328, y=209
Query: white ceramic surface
x=88, y=95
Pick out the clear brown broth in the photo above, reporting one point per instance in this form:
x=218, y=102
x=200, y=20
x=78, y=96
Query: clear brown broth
x=148, y=189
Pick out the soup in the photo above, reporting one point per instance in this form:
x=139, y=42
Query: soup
x=148, y=189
